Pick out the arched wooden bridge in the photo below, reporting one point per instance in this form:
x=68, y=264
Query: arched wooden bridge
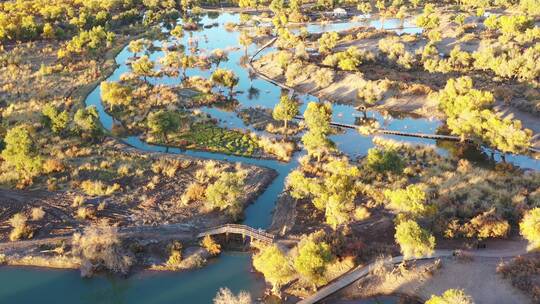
x=256, y=234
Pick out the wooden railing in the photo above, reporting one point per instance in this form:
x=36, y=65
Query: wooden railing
x=258, y=234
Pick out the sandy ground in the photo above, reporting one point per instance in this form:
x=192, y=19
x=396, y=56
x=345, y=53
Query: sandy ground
x=477, y=277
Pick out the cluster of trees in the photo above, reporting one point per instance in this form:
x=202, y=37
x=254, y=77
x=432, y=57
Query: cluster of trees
x=396, y=52
x=348, y=60
x=226, y=193
x=469, y=116
x=31, y=19
x=311, y=262
x=334, y=192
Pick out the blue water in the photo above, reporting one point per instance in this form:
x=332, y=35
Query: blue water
x=230, y=270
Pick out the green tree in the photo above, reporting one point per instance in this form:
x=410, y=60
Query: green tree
x=530, y=228
x=21, y=153
x=57, y=121
x=225, y=193
x=451, y=296
x=225, y=78
x=163, y=122
x=115, y=94
x=317, y=118
x=312, y=259
x=138, y=46
x=274, y=265
x=415, y=242
x=285, y=110
x=143, y=67
x=87, y=122
x=411, y=200
x=178, y=32
x=245, y=40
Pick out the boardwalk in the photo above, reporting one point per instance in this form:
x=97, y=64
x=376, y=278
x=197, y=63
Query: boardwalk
x=408, y=134
x=256, y=234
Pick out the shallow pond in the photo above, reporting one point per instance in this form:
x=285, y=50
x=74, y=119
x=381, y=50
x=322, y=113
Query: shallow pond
x=28, y=285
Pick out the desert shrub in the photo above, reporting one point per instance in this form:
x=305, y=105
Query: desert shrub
x=210, y=245
x=451, y=296
x=282, y=149
x=226, y=296
x=194, y=192
x=57, y=121
x=487, y=225
x=361, y=213
x=53, y=165
x=175, y=255
x=20, y=228
x=98, y=188
x=37, y=213
x=86, y=212
x=100, y=248
x=395, y=51
x=523, y=271
x=327, y=42
x=323, y=78
x=384, y=160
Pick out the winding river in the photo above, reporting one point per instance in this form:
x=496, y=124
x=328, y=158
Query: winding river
x=232, y=270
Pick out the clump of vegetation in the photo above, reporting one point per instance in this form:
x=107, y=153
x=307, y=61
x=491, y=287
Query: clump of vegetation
x=384, y=160
x=226, y=296
x=175, y=255
x=414, y=241
x=210, y=245
x=225, y=193
x=20, y=227
x=312, y=259
x=523, y=271
x=274, y=265
x=21, y=152
x=99, y=248
x=98, y=188
x=456, y=296
x=530, y=228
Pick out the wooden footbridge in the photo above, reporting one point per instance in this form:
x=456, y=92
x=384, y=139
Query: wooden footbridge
x=255, y=234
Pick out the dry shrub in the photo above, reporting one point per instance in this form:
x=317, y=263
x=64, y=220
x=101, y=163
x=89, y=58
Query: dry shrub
x=283, y=150
x=99, y=248
x=225, y=296
x=53, y=165
x=175, y=256
x=194, y=192
x=210, y=245
x=361, y=213
x=20, y=228
x=78, y=201
x=169, y=167
x=37, y=213
x=98, y=188
x=523, y=272
x=85, y=212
